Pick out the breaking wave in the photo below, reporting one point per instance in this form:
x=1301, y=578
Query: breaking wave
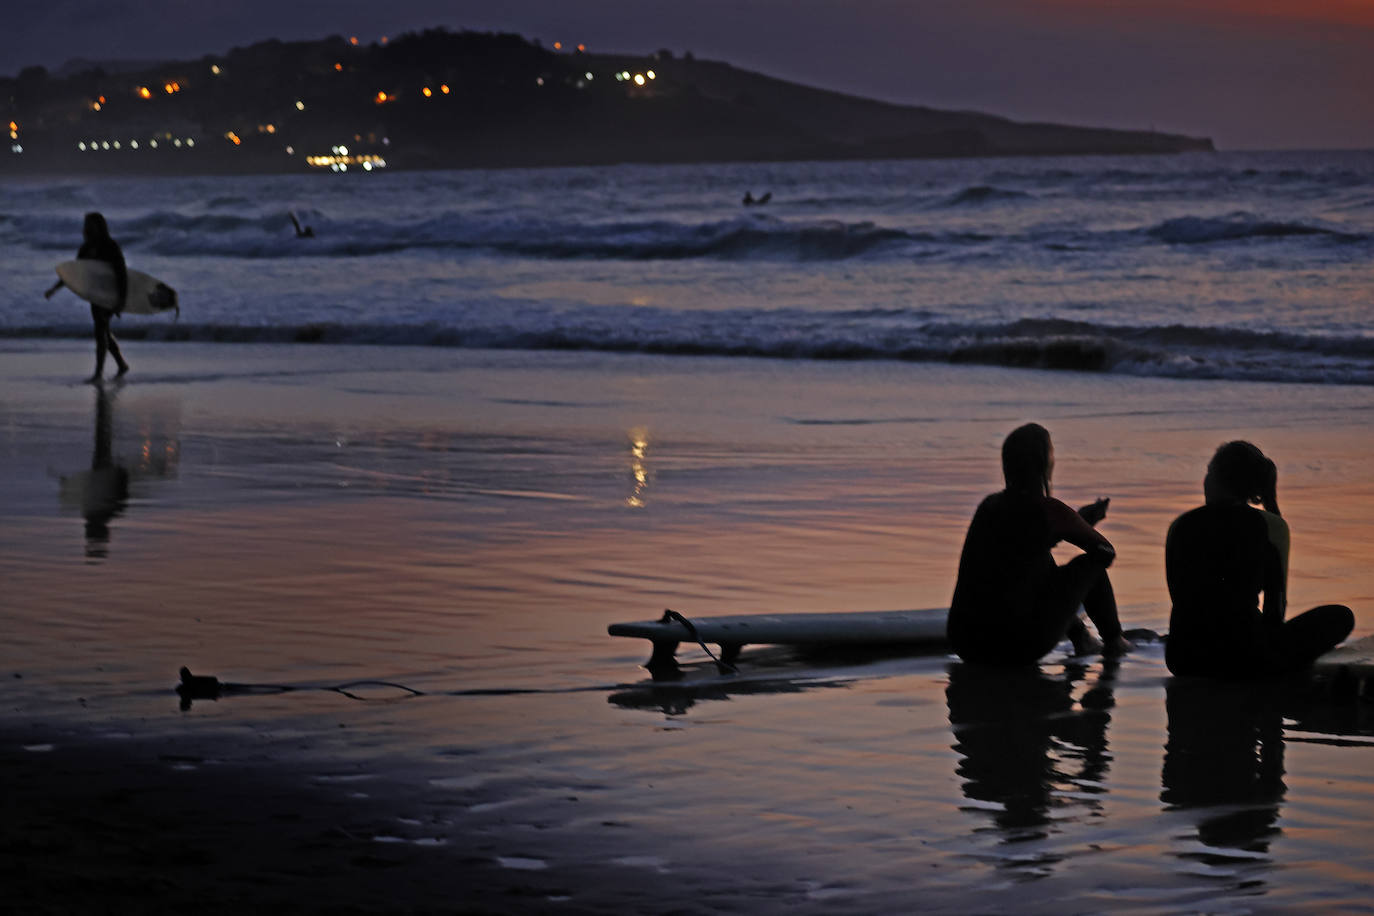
x=1170, y=351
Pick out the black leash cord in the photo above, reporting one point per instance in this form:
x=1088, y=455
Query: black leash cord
x=670, y=615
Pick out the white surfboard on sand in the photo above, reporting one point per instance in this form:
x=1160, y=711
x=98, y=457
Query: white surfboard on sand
x=1348, y=669
x=922, y=628
x=94, y=281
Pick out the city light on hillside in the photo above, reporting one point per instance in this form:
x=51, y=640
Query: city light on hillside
x=144, y=92
x=300, y=106
x=214, y=68
x=339, y=159
x=444, y=89
x=427, y=92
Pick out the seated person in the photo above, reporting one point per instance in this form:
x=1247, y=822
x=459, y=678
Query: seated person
x=1012, y=603
x=1219, y=558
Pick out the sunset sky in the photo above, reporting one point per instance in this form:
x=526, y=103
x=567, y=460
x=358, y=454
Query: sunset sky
x=1251, y=74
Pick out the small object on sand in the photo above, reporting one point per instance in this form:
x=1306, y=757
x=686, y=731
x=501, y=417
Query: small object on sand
x=198, y=686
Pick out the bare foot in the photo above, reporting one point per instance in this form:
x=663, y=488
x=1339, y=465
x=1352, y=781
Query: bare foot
x=123, y=368
x=1119, y=646
x=93, y=380
x=1084, y=643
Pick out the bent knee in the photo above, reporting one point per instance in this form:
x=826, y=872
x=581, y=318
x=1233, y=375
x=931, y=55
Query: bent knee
x=1337, y=616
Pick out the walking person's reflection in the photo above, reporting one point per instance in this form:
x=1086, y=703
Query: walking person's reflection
x=105, y=488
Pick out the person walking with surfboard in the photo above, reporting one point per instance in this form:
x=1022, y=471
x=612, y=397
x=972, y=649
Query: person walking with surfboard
x=1219, y=558
x=1012, y=602
x=98, y=245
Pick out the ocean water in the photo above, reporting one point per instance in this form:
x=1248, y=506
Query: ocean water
x=482, y=415
x=1232, y=266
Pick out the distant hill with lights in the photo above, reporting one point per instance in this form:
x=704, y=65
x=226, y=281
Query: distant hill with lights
x=440, y=99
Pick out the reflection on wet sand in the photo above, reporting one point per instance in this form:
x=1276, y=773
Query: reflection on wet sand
x=1031, y=744
x=771, y=670
x=639, y=468
x=101, y=494
x=1223, y=762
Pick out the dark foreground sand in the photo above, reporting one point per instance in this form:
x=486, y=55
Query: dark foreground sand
x=149, y=826
x=157, y=825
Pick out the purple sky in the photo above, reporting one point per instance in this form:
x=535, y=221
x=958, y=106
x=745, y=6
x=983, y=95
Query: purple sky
x=1251, y=74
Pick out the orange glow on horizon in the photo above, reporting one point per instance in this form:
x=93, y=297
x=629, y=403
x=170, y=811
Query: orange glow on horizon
x=1325, y=12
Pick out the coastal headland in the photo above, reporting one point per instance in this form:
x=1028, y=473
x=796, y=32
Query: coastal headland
x=440, y=99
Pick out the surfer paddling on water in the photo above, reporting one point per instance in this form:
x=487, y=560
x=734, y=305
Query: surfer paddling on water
x=1012, y=603
x=1219, y=558
x=97, y=245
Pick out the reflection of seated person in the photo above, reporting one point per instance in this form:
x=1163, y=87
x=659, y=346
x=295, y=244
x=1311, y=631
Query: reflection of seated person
x=1219, y=558
x=1225, y=750
x=1015, y=728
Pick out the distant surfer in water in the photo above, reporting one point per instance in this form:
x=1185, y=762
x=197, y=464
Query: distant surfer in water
x=1012, y=603
x=1219, y=558
x=97, y=245
x=302, y=232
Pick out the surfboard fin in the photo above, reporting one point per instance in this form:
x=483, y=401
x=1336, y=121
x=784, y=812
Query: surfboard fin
x=197, y=687
x=669, y=616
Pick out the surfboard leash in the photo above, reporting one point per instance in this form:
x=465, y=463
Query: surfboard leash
x=670, y=616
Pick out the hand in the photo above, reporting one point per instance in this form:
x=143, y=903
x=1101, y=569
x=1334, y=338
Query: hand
x=1095, y=512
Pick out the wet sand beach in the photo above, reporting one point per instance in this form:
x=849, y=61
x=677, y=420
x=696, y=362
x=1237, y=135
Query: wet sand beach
x=412, y=554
